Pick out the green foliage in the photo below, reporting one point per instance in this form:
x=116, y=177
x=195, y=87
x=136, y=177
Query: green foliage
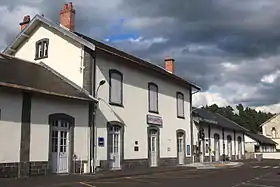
x=246, y=117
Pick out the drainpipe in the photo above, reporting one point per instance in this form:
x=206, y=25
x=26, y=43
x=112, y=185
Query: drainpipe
x=93, y=166
x=192, y=124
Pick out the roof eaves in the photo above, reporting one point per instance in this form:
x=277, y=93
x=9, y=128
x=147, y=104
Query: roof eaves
x=267, y=121
x=137, y=61
x=38, y=18
x=42, y=91
x=69, y=82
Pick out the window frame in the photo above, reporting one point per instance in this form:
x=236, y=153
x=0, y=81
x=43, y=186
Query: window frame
x=112, y=71
x=42, y=43
x=177, y=104
x=149, y=98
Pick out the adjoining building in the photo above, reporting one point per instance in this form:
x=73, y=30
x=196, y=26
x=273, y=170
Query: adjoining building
x=271, y=129
x=44, y=120
x=216, y=138
x=257, y=143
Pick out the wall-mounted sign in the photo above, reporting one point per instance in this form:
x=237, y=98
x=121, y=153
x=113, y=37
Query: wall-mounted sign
x=100, y=141
x=154, y=120
x=208, y=121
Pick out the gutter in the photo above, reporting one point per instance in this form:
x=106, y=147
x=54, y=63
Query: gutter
x=192, y=123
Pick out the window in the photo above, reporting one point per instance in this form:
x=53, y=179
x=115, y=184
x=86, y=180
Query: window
x=42, y=49
x=188, y=150
x=180, y=105
x=153, y=97
x=116, y=88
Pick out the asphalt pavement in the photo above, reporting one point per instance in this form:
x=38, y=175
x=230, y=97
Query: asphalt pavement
x=258, y=174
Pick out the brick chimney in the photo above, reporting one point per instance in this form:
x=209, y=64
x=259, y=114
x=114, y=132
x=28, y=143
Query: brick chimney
x=67, y=16
x=25, y=22
x=170, y=65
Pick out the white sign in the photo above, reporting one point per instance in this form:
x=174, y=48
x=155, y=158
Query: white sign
x=154, y=120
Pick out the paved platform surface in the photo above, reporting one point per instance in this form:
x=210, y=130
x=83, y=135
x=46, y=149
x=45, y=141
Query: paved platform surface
x=258, y=174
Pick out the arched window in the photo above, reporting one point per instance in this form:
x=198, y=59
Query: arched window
x=180, y=105
x=116, y=87
x=153, y=97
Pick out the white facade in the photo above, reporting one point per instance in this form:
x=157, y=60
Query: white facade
x=41, y=143
x=135, y=108
x=10, y=121
x=40, y=111
x=64, y=54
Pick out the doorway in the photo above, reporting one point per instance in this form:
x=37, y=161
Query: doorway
x=153, y=146
x=181, y=147
x=115, y=145
x=229, y=146
x=60, y=154
x=217, y=147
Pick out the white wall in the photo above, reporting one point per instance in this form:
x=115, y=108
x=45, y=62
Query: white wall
x=42, y=107
x=135, y=99
x=271, y=155
x=64, y=56
x=10, y=125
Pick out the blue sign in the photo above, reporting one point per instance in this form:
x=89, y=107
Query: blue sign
x=100, y=141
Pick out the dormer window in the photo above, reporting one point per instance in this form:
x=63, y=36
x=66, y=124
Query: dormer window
x=42, y=49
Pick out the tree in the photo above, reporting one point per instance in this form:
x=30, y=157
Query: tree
x=247, y=117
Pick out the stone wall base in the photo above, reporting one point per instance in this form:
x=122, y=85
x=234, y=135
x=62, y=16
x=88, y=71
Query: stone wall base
x=143, y=163
x=24, y=169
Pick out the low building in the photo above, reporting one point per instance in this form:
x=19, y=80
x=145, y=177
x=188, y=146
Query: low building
x=257, y=143
x=216, y=138
x=44, y=120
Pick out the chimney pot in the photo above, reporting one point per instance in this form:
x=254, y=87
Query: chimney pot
x=67, y=16
x=170, y=65
x=25, y=22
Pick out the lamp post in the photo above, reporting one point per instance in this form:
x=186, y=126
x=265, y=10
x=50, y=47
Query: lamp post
x=94, y=139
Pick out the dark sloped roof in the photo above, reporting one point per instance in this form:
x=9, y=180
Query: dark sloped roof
x=208, y=116
x=260, y=138
x=138, y=61
x=20, y=74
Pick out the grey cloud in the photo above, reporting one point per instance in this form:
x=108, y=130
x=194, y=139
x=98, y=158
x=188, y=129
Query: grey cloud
x=239, y=32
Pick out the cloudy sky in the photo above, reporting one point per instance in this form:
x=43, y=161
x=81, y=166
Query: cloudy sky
x=228, y=47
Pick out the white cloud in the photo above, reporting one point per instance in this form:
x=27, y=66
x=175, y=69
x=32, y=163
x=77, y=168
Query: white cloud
x=139, y=43
x=275, y=108
x=230, y=66
x=270, y=78
x=207, y=98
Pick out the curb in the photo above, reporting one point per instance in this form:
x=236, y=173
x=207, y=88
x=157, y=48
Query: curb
x=118, y=176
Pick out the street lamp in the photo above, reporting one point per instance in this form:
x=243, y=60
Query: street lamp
x=102, y=82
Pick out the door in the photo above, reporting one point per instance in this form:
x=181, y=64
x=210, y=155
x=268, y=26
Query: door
x=60, y=146
x=181, y=152
x=217, y=147
x=115, y=147
x=153, y=148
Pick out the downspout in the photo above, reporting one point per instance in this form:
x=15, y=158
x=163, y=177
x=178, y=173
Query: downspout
x=192, y=124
